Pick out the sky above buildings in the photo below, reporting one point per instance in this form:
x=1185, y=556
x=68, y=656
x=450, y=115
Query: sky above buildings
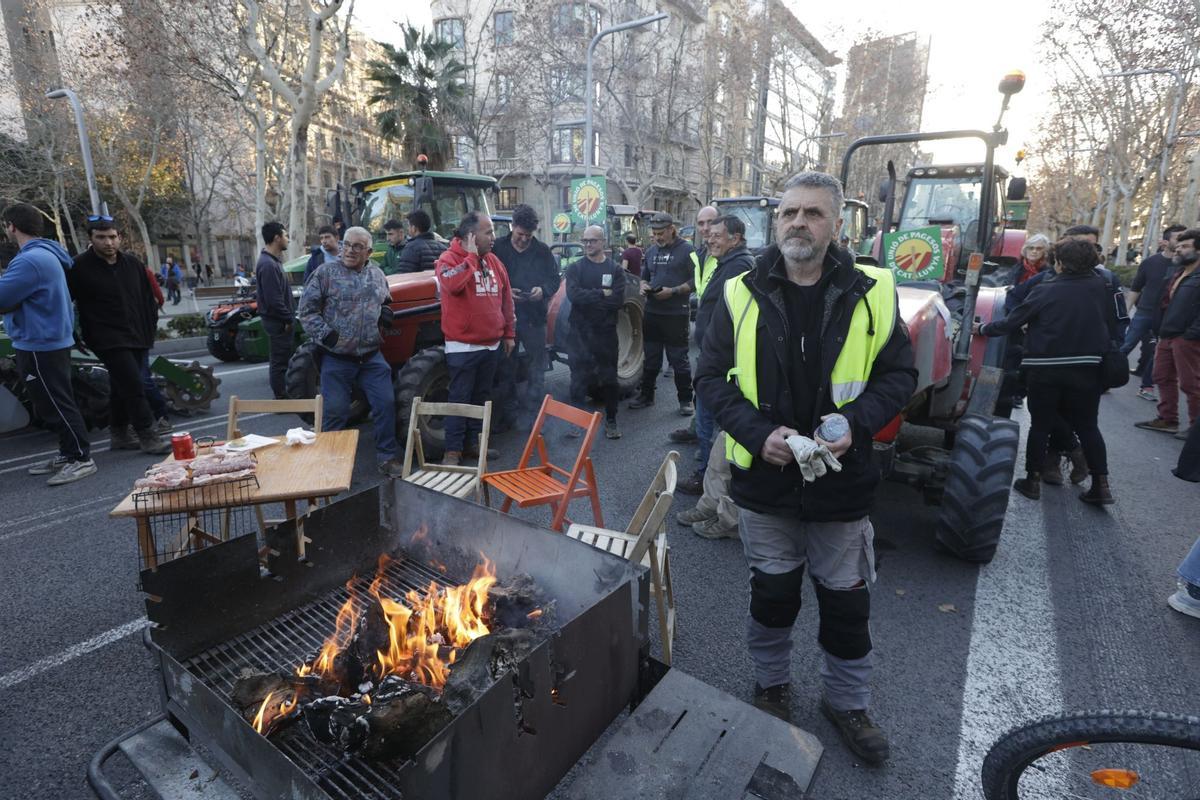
x=970, y=50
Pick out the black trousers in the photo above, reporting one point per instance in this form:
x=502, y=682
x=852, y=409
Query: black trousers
x=127, y=392
x=47, y=378
x=1188, y=467
x=1072, y=393
x=594, y=363
x=666, y=332
x=279, y=353
x=530, y=357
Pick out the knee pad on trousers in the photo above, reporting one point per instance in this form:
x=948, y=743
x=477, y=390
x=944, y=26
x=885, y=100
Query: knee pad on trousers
x=845, y=631
x=775, y=599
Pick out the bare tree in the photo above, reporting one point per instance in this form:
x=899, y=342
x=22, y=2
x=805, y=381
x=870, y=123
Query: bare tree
x=300, y=88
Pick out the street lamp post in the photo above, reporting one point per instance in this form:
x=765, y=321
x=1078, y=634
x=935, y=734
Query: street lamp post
x=84, y=145
x=589, y=100
x=1168, y=143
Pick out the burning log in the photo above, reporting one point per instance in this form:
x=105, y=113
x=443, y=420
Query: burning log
x=515, y=603
x=483, y=663
x=397, y=720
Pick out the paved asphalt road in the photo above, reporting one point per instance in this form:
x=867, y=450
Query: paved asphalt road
x=1070, y=615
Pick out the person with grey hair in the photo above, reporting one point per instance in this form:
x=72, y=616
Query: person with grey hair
x=1033, y=258
x=805, y=358
x=343, y=308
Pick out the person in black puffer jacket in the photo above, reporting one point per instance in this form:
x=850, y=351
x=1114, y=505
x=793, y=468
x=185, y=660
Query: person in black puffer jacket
x=1070, y=322
x=422, y=249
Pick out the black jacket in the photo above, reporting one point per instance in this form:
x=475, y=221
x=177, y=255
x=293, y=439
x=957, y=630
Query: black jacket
x=845, y=495
x=734, y=262
x=420, y=253
x=315, y=259
x=1181, y=317
x=271, y=290
x=668, y=266
x=116, y=304
x=1071, y=319
x=535, y=266
x=585, y=289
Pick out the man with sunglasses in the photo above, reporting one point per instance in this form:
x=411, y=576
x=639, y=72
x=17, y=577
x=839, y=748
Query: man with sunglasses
x=119, y=317
x=37, y=315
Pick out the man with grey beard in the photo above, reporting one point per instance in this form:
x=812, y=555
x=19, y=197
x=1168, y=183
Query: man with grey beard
x=807, y=355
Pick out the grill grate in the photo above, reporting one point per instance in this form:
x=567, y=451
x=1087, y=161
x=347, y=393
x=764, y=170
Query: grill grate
x=289, y=640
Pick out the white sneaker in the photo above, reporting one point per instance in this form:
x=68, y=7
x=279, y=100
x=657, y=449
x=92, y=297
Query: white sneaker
x=1183, y=602
x=49, y=467
x=72, y=471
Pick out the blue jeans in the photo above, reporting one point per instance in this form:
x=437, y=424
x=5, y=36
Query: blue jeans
x=706, y=429
x=1141, y=329
x=374, y=377
x=158, y=403
x=1189, y=568
x=471, y=378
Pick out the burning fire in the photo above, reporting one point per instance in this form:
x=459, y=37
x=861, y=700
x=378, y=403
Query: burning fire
x=267, y=714
x=425, y=632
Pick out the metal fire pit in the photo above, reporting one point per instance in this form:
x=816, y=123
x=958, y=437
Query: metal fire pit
x=217, y=613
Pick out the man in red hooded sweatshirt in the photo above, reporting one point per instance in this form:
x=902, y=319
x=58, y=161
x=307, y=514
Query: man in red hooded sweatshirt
x=477, y=316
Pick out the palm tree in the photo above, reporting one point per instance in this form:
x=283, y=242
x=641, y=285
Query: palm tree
x=418, y=90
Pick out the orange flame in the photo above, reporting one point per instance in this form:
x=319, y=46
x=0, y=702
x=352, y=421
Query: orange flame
x=268, y=714
x=343, y=632
x=259, y=718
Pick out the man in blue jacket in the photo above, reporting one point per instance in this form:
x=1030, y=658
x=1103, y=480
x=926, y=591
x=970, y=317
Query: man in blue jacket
x=37, y=315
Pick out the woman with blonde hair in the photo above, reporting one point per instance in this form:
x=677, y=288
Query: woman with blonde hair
x=1033, y=258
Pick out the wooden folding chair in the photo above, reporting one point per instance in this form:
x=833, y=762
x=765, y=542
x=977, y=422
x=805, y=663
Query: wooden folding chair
x=547, y=484
x=644, y=541
x=238, y=406
x=457, y=481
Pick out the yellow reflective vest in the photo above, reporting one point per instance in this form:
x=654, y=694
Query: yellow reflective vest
x=702, y=273
x=871, y=326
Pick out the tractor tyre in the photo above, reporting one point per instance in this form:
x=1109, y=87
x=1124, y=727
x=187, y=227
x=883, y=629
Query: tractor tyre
x=92, y=395
x=221, y=346
x=426, y=376
x=630, y=354
x=246, y=343
x=978, y=480
x=303, y=380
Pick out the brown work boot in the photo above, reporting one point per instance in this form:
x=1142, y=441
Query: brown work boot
x=1030, y=485
x=864, y=738
x=452, y=458
x=1052, y=469
x=153, y=443
x=1157, y=424
x=122, y=438
x=775, y=700
x=1079, y=467
x=1099, y=494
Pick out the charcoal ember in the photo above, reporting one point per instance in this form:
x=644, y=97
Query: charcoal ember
x=482, y=663
x=371, y=637
x=511, y=602
x=401, y=718
x=252, y=688
x=326, y=717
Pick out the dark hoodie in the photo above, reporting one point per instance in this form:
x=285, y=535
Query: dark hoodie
x=33, y=290
x=735, y=262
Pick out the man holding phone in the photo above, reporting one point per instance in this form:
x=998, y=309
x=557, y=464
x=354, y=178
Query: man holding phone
x=596, y=289
x=666, y=275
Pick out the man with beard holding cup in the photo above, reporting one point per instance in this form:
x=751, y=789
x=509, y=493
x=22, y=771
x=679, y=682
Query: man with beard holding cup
x=805, y=358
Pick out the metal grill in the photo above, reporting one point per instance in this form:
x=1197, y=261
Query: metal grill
x=293, y=638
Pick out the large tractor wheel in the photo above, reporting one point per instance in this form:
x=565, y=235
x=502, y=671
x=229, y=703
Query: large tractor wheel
x=221, y=345
x=303, y=380
x=630, y=354
x=426, y=376
x=979, y=477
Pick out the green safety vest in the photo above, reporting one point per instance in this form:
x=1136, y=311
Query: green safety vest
x=852, y=369
x=702, y=275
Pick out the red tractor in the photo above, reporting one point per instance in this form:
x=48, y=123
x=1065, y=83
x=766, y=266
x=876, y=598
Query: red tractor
x=956, y=210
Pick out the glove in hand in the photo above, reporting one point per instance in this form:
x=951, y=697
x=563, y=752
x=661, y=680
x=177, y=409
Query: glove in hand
x=330, y=339
x=386, y=316
x=814, y=459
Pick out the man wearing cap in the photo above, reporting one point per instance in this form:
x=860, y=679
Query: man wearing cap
x=666, y=276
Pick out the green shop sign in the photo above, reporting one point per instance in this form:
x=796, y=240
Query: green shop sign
x=589, y=200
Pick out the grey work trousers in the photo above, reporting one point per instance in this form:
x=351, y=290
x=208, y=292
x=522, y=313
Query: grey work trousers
x=840, y=556
x=716, y=499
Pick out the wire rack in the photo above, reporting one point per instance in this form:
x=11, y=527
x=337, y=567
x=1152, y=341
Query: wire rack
x=182, y=521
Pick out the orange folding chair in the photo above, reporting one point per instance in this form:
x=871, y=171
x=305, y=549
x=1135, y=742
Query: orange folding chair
x=547, y=484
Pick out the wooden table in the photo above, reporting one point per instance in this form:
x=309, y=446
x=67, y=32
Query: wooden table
x=285, y=475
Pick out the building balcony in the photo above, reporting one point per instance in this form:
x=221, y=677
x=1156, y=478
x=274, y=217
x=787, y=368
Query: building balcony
x=503, y=166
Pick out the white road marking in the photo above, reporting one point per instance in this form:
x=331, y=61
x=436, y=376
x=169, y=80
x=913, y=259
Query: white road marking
x=58, y=520
x=240, y=369
x=23, y=674
x=16, y=521
x=1013, y=674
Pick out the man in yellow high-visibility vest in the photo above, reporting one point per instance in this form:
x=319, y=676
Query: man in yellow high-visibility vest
x=808, y=337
